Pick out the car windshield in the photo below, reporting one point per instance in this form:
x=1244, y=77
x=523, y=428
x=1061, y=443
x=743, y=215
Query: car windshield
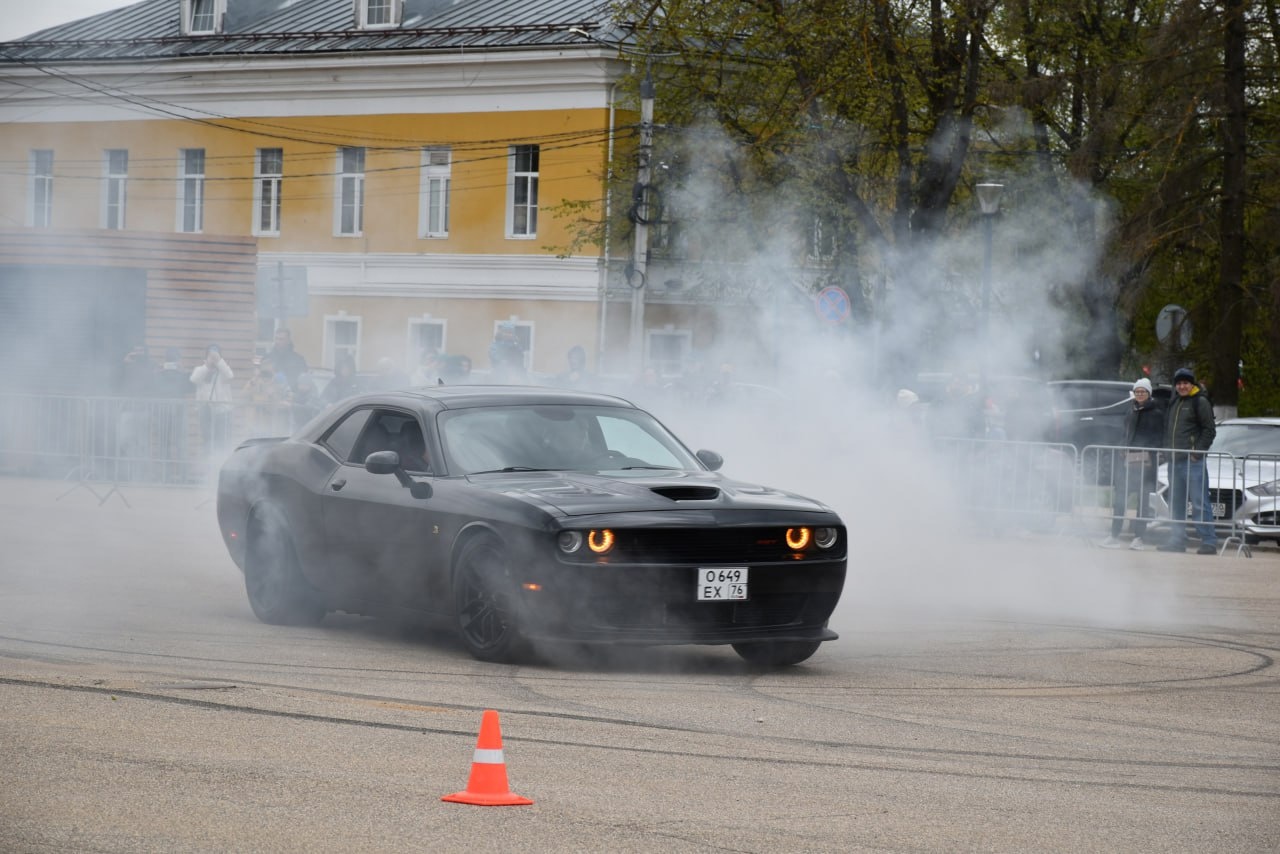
x=558, y=437
x=1242, y=439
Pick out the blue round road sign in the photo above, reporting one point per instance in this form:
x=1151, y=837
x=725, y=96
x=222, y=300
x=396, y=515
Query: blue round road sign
x=832, y=305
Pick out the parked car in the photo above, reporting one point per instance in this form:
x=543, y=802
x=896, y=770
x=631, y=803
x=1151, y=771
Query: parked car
x=521, y=515
x=1244, y=487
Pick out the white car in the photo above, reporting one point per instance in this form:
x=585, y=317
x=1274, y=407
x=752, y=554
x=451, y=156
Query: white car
x=1244, y=478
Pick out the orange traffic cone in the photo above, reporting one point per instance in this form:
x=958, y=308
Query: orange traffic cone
x=488, y=784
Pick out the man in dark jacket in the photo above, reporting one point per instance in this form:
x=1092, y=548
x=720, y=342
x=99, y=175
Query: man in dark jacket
x=287, y=360
x=1189, y=431
x=1143, y=428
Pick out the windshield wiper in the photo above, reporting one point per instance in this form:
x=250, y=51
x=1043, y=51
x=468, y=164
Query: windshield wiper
x=655, y=468
x=510, y=469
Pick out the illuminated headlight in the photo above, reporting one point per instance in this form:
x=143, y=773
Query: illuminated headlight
x=798, y=538
x=825, y=538
x=1271, y=489
x=569, y=541
x=600, y=542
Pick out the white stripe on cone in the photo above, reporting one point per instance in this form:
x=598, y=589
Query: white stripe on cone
x=488, y=757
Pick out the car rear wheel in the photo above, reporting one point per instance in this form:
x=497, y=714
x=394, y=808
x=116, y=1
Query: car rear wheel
x=278, y=594
x=776, y=653
x=483, y=601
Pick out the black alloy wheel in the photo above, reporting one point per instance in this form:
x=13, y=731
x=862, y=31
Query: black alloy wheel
x=278, y=594
x=482, y=596
x=776, y=653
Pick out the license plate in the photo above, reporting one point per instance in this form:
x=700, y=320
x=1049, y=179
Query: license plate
x=1219, y=509
x=722, y=584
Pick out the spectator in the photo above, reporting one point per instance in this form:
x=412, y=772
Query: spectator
x=212, y=380
x=135, y=381
x=173, y=381
x=455, y=370
x=266, y=392
x=576, y=376
x=287, y=360
x=428, y=370
x=345, y=383
x=506, y=355
x=389, y=376
x=304, y=402
x=1143, y=428
x=960, y=414
x=1189, y=431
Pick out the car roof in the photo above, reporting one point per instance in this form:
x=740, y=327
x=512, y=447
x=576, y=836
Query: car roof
x=464, y=396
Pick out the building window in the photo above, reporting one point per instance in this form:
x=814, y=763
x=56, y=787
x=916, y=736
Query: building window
x=349, y=210
x=378, y=13
x=522, y=191
x=41, y=194
x=426, y=335
x=115, y=190
x=668, y=349
x=433, y=203
x=202, y=17
x=191, y=190
x=268, y=175
x=341, y=338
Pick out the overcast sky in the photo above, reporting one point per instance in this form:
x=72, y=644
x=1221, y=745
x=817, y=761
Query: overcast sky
x=23, y=17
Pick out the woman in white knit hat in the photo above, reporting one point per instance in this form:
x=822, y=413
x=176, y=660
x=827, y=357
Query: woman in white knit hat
x=1143, y=429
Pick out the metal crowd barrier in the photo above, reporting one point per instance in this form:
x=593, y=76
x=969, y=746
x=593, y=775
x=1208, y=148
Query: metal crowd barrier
x=1010, y=484
x=141, y=441
x=1131, y=486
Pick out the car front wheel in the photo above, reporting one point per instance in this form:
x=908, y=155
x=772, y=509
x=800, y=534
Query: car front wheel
x=483, y=601
x=278, y=594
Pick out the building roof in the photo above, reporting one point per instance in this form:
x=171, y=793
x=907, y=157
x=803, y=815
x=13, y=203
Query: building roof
x=151, y=29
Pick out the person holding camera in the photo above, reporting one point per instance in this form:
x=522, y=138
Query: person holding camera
x=212, y=380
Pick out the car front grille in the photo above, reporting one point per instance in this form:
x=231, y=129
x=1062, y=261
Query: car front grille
x=1231, y=499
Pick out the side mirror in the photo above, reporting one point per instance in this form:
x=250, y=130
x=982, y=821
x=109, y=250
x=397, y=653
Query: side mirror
x=382, y=462
x=710, y=459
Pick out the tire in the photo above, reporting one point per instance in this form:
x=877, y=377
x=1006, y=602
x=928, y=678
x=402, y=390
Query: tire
x=484, y=602
x=776, y=653
x=278, y=594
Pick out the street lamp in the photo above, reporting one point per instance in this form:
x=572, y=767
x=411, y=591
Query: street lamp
x=989, y=204
x=640, y=217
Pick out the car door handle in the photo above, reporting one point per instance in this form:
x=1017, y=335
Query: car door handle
x=337, y=484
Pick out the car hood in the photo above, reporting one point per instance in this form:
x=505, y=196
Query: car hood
x=583, y=493
x=1227, y=473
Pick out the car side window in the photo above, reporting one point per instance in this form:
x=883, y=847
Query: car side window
x=389, y=430
x=342, y=438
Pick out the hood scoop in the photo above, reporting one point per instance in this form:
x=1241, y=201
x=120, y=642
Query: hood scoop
x=687, y=493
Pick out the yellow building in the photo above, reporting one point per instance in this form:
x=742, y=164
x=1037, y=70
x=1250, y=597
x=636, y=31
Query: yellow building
x=403, y=160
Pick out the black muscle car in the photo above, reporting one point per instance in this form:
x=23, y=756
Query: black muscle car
x=526, y=514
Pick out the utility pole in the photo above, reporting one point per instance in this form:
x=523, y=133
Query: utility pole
x=640, y=213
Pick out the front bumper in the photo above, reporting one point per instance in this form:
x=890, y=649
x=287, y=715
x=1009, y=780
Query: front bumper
x=656, y=604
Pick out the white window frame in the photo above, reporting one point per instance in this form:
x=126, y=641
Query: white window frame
x=40, y=189
x=367, y=9
x=211, y=24
x=527, y=180
x=413, y=351
x=673, y=367
x=331, y=349
x=266, y=193
x=115, y=190
x=190, y=191
x=436, y=171
x=348, y=192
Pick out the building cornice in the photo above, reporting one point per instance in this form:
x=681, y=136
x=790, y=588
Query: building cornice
x=308, y=85
x=528, y=277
